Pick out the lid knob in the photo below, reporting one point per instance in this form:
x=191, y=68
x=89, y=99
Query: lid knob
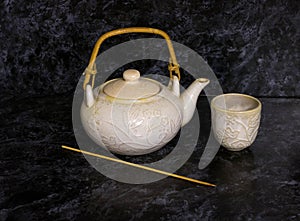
x=131, y=75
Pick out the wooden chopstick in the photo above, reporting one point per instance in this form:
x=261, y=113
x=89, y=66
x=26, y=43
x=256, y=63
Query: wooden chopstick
x=139, y=166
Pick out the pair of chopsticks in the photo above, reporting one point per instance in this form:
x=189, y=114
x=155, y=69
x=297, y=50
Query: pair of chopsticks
x=139, y=166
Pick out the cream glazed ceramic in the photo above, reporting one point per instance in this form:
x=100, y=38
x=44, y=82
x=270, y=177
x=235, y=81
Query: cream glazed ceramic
x=135, y=115
x=235, y=120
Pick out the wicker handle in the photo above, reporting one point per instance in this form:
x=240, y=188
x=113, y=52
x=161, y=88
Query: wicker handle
x=91, y=69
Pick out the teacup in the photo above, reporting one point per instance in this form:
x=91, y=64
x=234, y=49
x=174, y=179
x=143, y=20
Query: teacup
x=235, y=120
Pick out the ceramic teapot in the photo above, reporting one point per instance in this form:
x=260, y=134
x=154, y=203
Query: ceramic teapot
x=134, y=115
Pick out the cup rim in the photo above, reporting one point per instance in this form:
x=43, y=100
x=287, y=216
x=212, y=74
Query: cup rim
x=258, y=107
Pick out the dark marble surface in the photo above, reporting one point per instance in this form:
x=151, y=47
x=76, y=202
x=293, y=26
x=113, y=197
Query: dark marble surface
x=40, y=181
x=252, y=45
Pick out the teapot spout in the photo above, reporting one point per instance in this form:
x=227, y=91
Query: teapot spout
x=189, y=98
x=89, y=96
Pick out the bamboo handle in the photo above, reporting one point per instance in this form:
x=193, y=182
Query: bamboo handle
x=91, y=69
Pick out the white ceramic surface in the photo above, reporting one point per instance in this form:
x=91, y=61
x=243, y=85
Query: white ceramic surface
x=135, y=115
x=235, y=120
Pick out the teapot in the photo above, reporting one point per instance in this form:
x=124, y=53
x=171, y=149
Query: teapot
x=136, y=115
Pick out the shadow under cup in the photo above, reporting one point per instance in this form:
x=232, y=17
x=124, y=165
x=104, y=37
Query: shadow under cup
x=235, y=120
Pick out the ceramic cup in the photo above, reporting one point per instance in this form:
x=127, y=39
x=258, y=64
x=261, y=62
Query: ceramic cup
x=235, y=120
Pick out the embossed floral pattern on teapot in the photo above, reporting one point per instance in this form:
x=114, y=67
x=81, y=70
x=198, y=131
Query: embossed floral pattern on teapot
x=134, y=115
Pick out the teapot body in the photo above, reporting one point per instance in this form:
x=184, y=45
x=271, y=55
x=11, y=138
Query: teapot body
x=132, y=127
x=136, y=115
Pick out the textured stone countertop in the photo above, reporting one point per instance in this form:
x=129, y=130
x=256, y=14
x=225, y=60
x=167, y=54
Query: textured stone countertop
x=40, y=181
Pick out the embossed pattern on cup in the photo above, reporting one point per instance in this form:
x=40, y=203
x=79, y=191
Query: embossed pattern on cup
x=235, y=120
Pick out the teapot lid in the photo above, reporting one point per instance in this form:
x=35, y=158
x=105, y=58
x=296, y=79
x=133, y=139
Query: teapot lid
x=131, y=86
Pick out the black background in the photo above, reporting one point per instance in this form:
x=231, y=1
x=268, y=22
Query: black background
x=253, y=48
